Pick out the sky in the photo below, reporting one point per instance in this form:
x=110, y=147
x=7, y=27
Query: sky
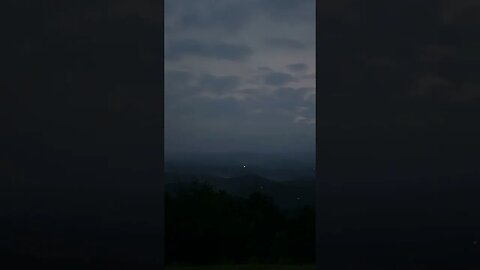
x=239, y=76
x=404, y=72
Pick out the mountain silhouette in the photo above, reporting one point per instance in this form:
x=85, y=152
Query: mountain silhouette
x=288, y=194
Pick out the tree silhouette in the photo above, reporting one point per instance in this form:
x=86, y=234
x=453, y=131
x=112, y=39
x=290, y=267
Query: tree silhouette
x=205, y=226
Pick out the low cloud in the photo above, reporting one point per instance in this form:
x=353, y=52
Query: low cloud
x=219, y=84
x=298, y=67
x=278, y=78
x=286, y=43
x=304, y=120
x=178, y=49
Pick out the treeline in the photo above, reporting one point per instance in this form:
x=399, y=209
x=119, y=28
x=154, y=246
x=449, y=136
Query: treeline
x=205, y=226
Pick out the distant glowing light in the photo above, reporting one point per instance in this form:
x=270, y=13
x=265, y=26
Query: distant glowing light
x=244, y=166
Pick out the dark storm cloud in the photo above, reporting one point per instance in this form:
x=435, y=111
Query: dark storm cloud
x=298, y=67
x=286, y=43
x=218, y=50
x=278, y=78
x=219, y=84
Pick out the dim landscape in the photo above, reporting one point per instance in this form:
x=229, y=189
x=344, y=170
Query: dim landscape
x=250, y=218
x=239, y=134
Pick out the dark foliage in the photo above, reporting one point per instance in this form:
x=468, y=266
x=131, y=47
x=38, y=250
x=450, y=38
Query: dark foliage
x=205, y=226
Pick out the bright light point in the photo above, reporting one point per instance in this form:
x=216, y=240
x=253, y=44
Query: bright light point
x=244, y=166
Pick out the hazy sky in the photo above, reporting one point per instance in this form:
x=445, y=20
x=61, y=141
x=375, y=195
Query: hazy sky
x=239, y=75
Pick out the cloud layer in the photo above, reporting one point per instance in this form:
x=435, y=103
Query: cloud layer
x=239, y=75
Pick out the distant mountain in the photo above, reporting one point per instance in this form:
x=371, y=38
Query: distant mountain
x=287, y=194
x=274, y=166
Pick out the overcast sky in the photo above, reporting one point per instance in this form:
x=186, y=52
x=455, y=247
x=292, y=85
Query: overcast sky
x=239, y=75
